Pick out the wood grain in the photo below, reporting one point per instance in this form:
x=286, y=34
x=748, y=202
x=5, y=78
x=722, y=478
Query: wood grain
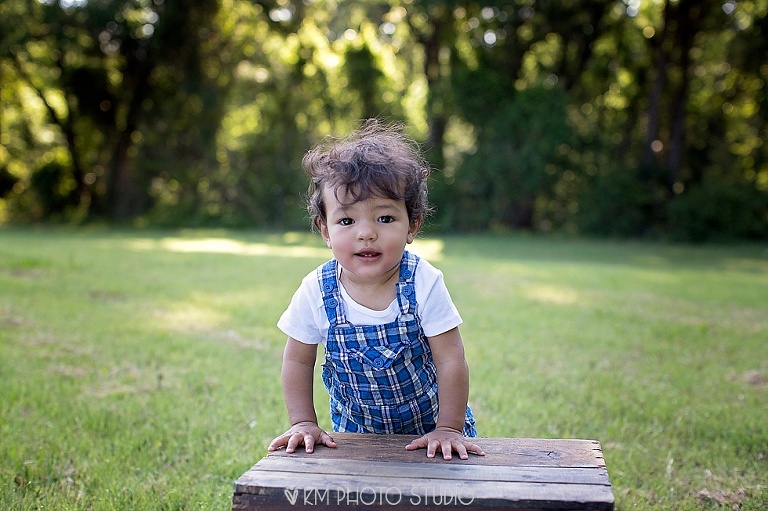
x=376, y=472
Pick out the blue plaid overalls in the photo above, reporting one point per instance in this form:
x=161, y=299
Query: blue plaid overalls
x=381, y=378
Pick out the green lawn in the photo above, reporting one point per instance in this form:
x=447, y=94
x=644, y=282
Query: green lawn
x=139, y=370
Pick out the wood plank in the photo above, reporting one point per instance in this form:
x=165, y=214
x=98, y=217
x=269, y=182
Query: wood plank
x=246, y=502
x=499, y=451
x=447, y=471
x=376, y=472
x=368, y=491
x=374, y=493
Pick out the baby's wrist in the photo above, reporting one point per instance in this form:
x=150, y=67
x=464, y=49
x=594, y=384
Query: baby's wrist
x=304, y=422
x=447, y=428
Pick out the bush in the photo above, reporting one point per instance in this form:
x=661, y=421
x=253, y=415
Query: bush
x=7, y=181
x=717, y=210
x=54, y=187
x=613, y=204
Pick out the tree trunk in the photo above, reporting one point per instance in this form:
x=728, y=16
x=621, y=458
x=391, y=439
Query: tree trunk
x=688, y=25
x=436, y=113
x=662, y=48
x=123, y=193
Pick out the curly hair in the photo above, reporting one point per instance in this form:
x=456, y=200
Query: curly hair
x=373, y=161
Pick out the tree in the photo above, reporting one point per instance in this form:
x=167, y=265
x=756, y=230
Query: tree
x=616, y=117
x=512, y=55
x=100, y=69
x=681, y=23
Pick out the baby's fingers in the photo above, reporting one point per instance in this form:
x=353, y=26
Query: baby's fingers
x=294, y=441
x=432, y=446
x=473, y=448
x=461, y=450
x=327, y=440
x=418, y=443
x=447, y=447
x=277, y=443
x=309, y=443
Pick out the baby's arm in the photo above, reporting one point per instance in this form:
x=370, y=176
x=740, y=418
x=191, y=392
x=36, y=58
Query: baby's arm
x=453, y=392
x=297, y=377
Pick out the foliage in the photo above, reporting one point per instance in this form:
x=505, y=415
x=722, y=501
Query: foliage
x=613, y=204
x=54, y=188
x=514, y=161
x=715, y=210
x=108, y=79
x=198, y=113
x=140, y=369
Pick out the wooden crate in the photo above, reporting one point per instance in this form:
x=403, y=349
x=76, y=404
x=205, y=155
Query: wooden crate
x=375, y=472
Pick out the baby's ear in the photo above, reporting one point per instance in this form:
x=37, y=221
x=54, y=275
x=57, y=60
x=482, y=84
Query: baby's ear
x=414, y=228
x=323, y=228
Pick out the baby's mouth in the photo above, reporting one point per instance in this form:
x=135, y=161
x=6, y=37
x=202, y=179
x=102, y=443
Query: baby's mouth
x=368, y=254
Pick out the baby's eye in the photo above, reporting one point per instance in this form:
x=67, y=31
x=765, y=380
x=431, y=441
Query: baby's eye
x=386, y=219
x=346, y=221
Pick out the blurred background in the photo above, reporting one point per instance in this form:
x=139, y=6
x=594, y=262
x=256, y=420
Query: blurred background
x=630, y=118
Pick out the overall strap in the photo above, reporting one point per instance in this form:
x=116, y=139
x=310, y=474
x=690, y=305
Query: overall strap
x=329, y=289
x=405, y=287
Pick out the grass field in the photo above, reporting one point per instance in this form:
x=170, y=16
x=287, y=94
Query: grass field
x=139, y=370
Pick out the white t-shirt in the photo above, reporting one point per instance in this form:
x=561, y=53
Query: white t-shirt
x=305, y=319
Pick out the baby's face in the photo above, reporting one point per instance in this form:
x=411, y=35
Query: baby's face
x=367, y=237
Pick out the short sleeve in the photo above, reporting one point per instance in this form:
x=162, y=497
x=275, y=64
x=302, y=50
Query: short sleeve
x=303, y=319
x=437, y=312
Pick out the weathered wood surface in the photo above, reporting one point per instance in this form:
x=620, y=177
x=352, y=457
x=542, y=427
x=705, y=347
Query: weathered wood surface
x=375, y=472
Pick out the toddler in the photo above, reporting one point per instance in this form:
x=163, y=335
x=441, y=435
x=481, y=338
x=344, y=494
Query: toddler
x=394, y=358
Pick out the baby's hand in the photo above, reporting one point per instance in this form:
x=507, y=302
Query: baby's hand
x=446, y=440
x=307, y=433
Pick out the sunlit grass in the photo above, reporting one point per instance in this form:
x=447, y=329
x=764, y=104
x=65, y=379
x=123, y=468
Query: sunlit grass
x=291, y=244
x=140, y=370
